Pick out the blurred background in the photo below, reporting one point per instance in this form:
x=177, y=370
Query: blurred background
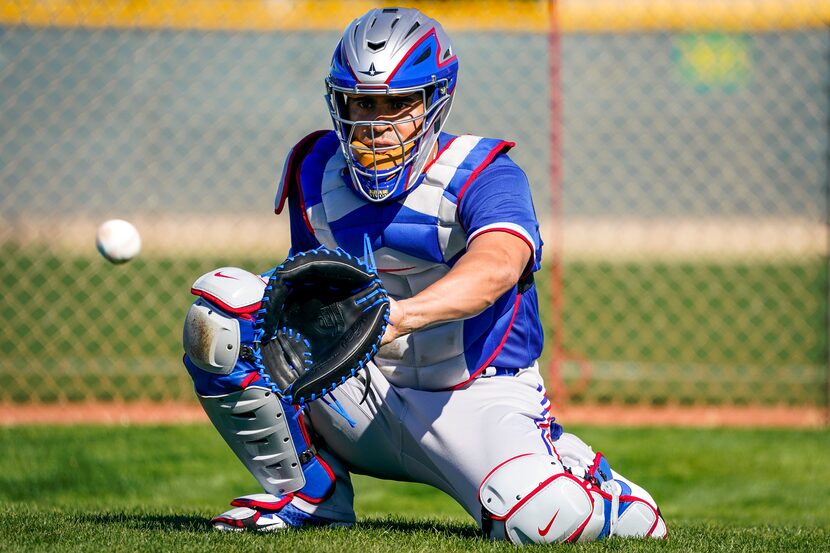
x=678, y=152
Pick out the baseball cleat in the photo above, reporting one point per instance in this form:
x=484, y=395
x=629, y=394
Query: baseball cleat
x=267, y=513
x=243, y=518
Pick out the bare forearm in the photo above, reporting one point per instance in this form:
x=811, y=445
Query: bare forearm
x=480, y=277
x=464, y=292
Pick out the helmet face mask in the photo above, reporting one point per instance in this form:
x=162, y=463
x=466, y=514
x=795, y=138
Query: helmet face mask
x=386, y=54
x=382, y=154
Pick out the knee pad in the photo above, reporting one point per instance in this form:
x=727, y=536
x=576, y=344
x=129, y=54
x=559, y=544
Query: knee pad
x=632, y=512
x=219, y=331
x=222, y=319
x=533, y=498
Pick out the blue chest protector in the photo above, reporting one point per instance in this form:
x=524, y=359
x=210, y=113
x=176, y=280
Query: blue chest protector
x=416, y=240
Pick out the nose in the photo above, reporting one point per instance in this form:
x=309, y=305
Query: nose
x=379, y=128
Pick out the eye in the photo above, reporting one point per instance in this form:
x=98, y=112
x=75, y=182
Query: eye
x=406, y=102
x=364, y=103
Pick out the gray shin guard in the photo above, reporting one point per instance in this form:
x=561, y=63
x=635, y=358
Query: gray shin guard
x=253, y=423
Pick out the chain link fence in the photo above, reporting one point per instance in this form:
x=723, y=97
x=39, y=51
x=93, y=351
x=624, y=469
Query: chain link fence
x=678, y=153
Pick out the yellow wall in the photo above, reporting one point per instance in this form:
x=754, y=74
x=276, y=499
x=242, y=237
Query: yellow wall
x=505, y=15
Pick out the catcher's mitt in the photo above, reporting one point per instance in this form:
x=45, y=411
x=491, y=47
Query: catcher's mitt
x=322, y=319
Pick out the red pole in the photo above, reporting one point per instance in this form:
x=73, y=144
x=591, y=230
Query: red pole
x=557, y=346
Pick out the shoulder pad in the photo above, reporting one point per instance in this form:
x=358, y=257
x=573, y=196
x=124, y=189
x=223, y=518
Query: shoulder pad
x=235, y=290
x=485, y=151
x=290, y=171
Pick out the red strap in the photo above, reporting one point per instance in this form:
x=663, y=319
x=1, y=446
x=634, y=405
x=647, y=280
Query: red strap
x=503, y=146
x=291, y=171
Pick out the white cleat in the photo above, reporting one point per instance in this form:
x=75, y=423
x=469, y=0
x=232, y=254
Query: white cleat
x=244, y=518
x=268, y=513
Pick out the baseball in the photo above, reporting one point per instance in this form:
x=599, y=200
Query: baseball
x=118, y=240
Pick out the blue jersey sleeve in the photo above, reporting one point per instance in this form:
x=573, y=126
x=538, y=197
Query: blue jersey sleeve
x=499, y=200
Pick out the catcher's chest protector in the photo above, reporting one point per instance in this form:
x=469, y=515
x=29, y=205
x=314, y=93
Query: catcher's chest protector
x=422, y=237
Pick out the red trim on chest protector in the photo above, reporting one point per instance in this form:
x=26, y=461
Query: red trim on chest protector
x=298, y=154
x=438, y=154
x=301, y=200
x=498, y=349
x=502, y=146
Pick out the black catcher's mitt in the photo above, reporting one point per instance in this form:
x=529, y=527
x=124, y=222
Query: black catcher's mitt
x=322, y=319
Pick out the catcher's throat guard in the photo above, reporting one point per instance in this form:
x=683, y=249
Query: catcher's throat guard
x=323, y=315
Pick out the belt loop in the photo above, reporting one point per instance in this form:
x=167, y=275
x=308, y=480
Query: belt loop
x=500, y=371
x=488, y=372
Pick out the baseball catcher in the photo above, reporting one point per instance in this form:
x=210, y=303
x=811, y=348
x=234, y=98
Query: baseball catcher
x=418, y=363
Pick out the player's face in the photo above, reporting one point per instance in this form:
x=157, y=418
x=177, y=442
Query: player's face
x=403, y=114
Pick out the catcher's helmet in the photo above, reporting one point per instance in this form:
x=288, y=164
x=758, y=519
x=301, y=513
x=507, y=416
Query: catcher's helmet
x=391, y=51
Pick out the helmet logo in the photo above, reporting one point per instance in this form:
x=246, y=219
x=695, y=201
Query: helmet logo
x=372, y=71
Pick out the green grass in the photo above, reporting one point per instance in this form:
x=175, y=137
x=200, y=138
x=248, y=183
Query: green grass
x=653, y=331
x=699, y=332
x=154, y=488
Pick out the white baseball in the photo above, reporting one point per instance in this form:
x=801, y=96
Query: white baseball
x=118, y=240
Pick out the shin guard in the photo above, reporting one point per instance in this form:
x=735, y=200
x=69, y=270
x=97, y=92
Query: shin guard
x=254, y=424
x=266, y=434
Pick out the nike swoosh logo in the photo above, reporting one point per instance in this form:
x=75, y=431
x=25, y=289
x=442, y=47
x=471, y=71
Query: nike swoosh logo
x=544, y=532
x=220, y=275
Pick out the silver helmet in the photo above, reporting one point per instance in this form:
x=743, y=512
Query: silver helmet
x=391, y=51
